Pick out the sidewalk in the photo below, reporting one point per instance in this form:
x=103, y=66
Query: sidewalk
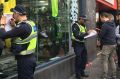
x=94, y=70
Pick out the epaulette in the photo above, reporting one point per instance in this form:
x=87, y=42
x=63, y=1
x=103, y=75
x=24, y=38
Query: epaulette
x=19, y=24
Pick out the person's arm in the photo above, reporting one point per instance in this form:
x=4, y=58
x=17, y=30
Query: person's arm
x=117, y=31
x=103, y=31
x=12, y=23
x=76, y=32
x=16, y=32
x=9, y=34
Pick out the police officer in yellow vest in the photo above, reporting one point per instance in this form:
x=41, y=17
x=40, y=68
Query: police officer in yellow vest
x=78, y=33
x=25, y=37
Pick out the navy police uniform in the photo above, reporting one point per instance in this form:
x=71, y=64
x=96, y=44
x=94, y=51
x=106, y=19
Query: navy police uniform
x=26, y=63
x=78, y=33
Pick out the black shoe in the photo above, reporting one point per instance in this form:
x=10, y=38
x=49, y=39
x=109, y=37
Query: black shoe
x=78, y=76
x=84, y=75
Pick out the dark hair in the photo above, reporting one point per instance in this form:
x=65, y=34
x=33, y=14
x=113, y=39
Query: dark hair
x=107, y=15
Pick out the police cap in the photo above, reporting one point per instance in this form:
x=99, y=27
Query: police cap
x=19, y=9
x=83, y=17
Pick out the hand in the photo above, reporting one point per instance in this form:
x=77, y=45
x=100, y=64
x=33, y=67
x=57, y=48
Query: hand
x=3, y=21
x=91, y=30
x=12, y=22
x=97, y=29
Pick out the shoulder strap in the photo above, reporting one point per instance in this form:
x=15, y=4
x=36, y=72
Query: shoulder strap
x=74, y=26
x=78, y=25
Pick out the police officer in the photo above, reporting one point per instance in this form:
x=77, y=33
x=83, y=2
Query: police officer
x=24, y=36
x=78, y=33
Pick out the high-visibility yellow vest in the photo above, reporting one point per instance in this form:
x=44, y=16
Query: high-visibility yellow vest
x=82, y=29
x=31, y=39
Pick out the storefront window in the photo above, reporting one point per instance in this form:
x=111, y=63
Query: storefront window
x=53, y=33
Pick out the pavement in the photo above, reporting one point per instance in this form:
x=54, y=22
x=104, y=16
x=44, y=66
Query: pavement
x=94, y=69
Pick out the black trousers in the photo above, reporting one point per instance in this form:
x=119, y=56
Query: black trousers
x=1, y=51
x=26, y=66
x=81, y=58
x=118, y=55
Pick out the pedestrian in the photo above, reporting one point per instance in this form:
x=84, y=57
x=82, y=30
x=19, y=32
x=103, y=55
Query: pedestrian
x=79, y=31
x=108, y=40
x=1, y=41
x=2, y=44
x=118, y=40
x=24, y=38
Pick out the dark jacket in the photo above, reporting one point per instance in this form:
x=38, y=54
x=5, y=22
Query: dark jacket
x=22, y=30
x=1, y=44
x=76, y=32
x=107, y=34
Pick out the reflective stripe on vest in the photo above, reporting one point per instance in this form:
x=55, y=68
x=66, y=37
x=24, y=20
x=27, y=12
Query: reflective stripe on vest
x=82, y=29
x=31, y=39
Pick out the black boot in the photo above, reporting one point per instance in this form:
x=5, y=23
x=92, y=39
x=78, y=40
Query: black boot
x=84, y=75
x=78, y=76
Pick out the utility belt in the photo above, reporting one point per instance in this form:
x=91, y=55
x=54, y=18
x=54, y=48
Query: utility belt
x=21, y=49
x=74, y=43
x=80, y=41
x=25, y=56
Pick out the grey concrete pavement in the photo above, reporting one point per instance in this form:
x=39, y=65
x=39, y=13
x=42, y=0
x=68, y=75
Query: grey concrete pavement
x=94, y=70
